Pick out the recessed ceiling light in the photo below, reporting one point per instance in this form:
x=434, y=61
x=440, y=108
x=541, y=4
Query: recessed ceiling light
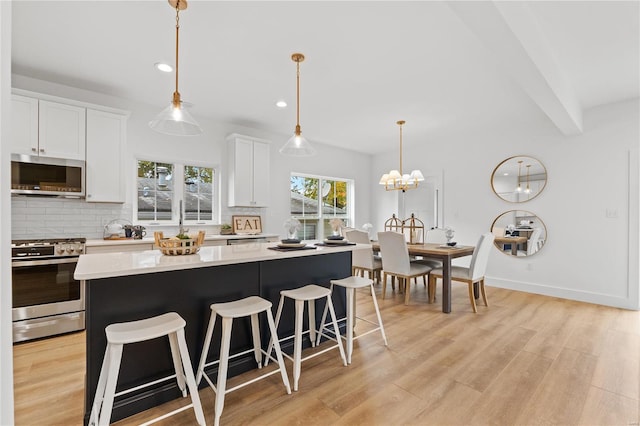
x=163, y=67
x=281, y=104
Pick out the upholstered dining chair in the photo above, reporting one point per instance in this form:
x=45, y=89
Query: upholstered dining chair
x=533, y=245
x=471, y=275
x=396, y=263
x=364, y=260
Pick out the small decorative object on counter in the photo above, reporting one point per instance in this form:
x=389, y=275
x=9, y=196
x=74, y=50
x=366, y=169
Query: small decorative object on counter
x=117, y=230
x=336, y=226
x=292, y=226
x=181, y=244
x=226, y=229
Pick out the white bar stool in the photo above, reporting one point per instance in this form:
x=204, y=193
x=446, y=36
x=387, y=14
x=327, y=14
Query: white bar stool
x=249, y=306
x=309, y=293
x=170, y=324
x=351, y=284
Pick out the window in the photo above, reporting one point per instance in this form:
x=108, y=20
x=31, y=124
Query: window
x=316, y=200
x=161, y=187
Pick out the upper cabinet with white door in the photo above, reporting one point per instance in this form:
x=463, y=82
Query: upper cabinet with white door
x=106, y=135
x=46, y=128
x=248, y=171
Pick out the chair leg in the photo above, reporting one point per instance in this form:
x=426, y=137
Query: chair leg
x=407, y=290
x=433, y=287
x=221, y=387
x=257, y=346
x=472, y=298
x=297, y=342
x=115, y=356
x=273, y=336
x=177, y=363
x=484, y=294
x=311, y=305
x=276, y=347
x=205, y=348
x=384, y=286
x=350, y=322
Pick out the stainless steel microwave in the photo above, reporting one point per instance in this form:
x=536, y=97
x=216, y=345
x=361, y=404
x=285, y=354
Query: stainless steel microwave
x=36, y=175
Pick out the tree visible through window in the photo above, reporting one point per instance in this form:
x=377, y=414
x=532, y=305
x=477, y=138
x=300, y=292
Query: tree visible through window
x=316, y=200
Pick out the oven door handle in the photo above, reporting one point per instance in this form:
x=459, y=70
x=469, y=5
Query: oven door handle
x=21, y=263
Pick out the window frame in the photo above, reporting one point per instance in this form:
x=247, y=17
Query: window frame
x=178, y=178
x=320, y=217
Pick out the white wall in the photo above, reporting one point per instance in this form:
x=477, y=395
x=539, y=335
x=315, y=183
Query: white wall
x=6, y=351
x=587, y=256
x=31, y=215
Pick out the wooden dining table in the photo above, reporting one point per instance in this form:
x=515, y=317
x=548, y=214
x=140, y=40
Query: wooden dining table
x=443, y=254
x=514, y=241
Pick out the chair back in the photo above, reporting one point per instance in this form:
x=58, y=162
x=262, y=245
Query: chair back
x=435, y=236
x=534, y=241
x=395, y=253
x=480, y=258
x=498, y=231
x=344, y=230
x=360, y=258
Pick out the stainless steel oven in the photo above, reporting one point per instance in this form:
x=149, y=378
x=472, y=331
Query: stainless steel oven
x=47, y=300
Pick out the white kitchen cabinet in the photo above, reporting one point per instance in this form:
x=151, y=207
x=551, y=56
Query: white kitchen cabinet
x=106, y=135
x=61, y=130
x=24, y=125
x=248, y=171
x=47, y=128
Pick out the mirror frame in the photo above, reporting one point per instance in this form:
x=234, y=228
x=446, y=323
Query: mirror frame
x=533, y=159
x=500, y=245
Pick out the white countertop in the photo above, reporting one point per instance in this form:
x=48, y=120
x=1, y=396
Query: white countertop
x=150, y=240
x=104, y=265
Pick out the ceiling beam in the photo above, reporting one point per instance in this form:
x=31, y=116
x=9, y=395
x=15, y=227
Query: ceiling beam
x=510, y=32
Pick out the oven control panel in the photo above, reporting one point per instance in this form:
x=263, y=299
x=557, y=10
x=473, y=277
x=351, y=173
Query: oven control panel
x=38, y=249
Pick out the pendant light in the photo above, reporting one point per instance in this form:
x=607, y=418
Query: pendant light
x=527, y=189
x=396, y=180
x=297, y=146
x=175, y=119
x=519, y=187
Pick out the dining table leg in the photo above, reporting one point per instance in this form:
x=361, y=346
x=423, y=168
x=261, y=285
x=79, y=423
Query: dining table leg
x=446, y=285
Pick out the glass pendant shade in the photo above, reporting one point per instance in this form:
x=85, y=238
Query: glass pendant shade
x=175, y=121
x=297, y=146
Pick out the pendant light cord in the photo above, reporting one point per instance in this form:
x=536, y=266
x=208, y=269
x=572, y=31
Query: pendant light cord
x=176, y=95
x=298, y=98
x=400, y=147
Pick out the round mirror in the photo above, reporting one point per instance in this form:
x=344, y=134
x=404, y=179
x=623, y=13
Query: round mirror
x=519, y=233
x=519, y=179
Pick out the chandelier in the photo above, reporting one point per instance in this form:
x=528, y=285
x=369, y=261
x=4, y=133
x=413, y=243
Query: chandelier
x=395, y=179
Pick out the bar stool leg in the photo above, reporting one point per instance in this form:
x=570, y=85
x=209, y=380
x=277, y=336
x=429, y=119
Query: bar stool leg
x=278, y=315
x=297, y=343
x=102, y=381
x=311, y=305
x=222, y=368
x=115, y=356
x=375, y=304
x=276, y=345
x=350, y=325
x=205, y=349
x=191, y=380
x=336, y=329
x=177, y=365
x=255, y=331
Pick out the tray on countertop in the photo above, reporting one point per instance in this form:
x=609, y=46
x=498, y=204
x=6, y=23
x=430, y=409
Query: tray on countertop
x=335, y=245
x=276, y=248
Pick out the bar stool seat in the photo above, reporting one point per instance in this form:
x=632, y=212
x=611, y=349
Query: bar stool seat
x=247, y=307
x=170, y=324
x=309, y=293
x=351, y=284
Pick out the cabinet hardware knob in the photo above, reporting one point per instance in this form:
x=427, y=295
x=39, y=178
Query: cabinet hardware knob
x=41, y=149
x=34, y=150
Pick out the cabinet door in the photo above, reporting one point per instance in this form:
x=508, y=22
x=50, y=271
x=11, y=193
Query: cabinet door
x=261, y=175
x=61, y=130
x=24, y=125
x=241, y=173
x=106, y=133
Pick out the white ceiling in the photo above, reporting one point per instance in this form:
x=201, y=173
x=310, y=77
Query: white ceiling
x=440, y=66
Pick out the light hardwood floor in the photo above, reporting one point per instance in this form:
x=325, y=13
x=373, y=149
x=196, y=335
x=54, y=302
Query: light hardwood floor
x=524, y=360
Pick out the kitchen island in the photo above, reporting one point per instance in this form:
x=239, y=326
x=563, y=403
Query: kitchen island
x=128, y=286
